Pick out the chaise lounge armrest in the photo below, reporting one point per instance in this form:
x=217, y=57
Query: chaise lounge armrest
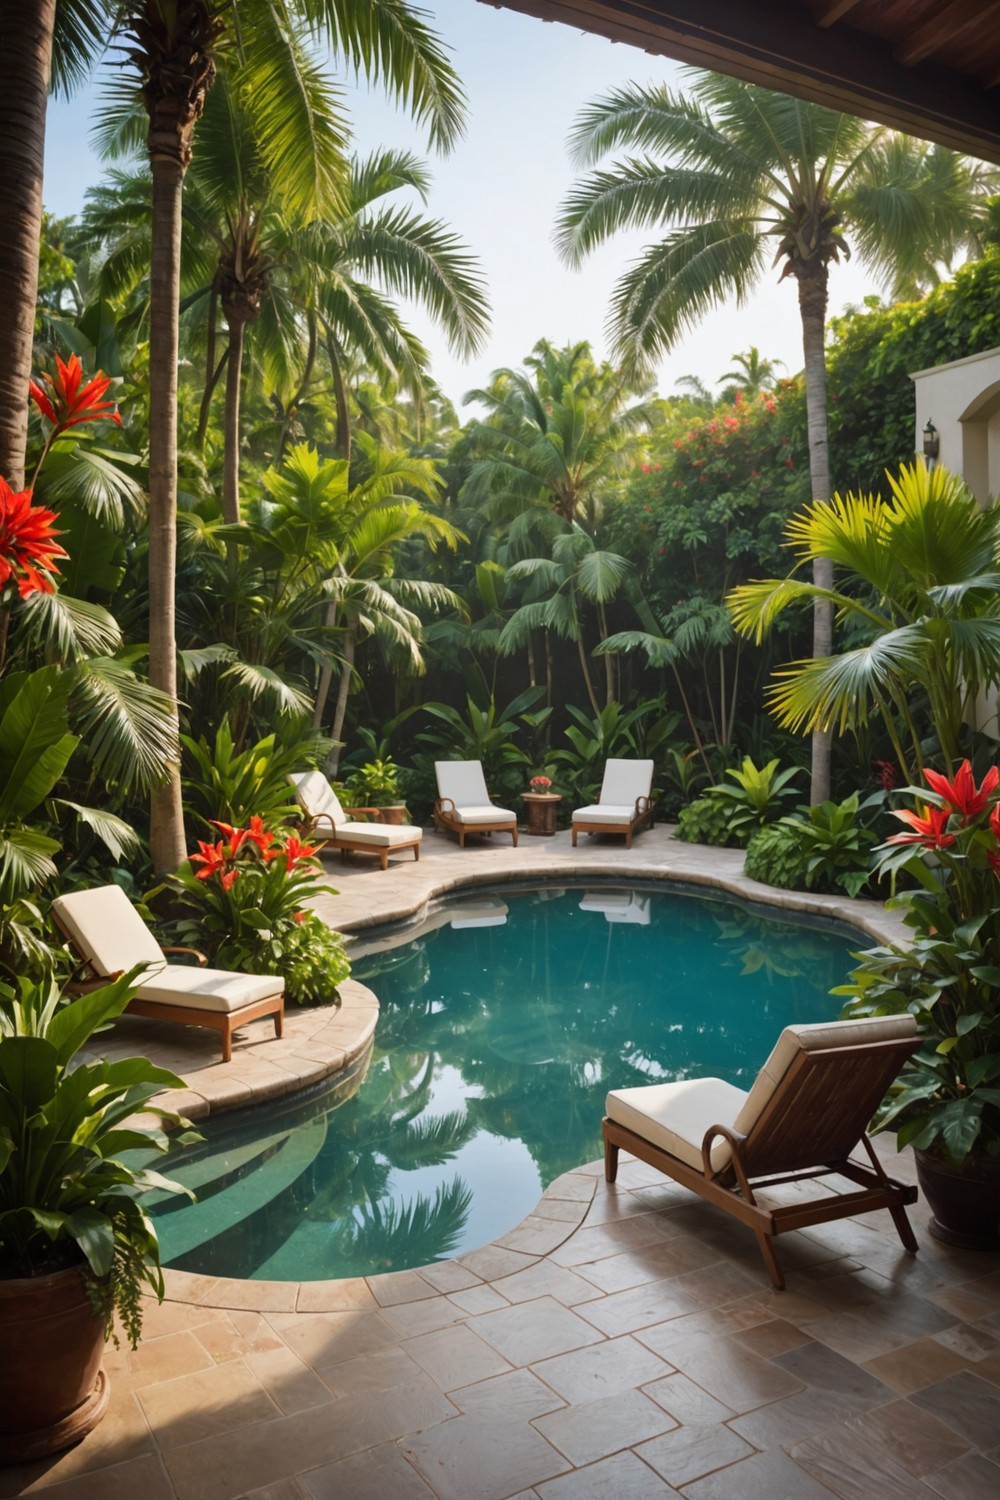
x=194, y=952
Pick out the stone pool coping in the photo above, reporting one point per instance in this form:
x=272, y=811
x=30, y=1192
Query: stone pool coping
x=319, y=1044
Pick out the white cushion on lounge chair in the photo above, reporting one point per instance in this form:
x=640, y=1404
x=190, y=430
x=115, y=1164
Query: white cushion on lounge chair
x=605, y=812
x=675, y=1116
x=207, y=989
x=317, y=798
x=464, y=782
x=473, y=815
x=625, y=780
x=109, y=933
x=107, y=930
x=378, y=835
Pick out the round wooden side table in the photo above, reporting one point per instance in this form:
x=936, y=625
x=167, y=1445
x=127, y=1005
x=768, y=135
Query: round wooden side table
x=541, y=812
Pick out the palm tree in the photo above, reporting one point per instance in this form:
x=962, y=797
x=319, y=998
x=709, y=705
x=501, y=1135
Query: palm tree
x=558, y=434
x=922, y=590
x=737, y=174
x=751, y=374
x=174, y=46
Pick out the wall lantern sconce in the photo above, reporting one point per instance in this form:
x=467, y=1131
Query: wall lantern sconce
x=932, y=443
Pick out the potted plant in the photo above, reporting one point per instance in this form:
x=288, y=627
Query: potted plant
x=947, y=1102
x=376, y=785
x=77, y=1249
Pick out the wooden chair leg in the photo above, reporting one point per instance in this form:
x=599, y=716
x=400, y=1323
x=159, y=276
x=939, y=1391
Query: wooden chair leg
x=416, y=853
x=383, y=858
x=574, y=838
x=610, y=1162
x=279, y=1023
x=766, y=1244
x=904, y=1229
x=227, y=1042
x=514, y=835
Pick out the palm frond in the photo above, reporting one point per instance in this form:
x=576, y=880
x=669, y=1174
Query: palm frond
x=127, y=724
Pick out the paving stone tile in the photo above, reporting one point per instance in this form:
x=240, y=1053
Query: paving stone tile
x=365, y=1476
x=966, y=1403
x=640, y=1307
x=718, y=1284
x=824, y=1370
x=688, y=1453
x=413, y=1318
x=139, y=1476
x=624, y=1476
x=544, y=1279
x=385, y=1370
x=285, y=1489
x=491, y=1262
x=228, y=1339
x=479, y=1298
x=164, y=1358
x=449, y=1276
x=400, y=1286
x=334, y=1296
x=972, y=1343
x=597, y=1429
x=916, y=1366
x=534, y=1330
x=606, y=1369
x=476, y=1455
x=123, y=1435
x=686, y=1401
x=291, y=1384
x=916, y=1441
x=221, y=1468
x=508, y=1398
x=608, y=1239
x=205, y=1403
x=456, y=1356
x=733, y=1375
x=970, y=1478
x=774, y=1337
x=858, y=1471
x=326, y=1339
x=764, y=1476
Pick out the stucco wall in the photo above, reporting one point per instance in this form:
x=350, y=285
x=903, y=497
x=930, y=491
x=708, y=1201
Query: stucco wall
x=963, y=402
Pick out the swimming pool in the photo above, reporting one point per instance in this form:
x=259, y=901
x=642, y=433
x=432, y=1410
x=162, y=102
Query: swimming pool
x=502, y=1026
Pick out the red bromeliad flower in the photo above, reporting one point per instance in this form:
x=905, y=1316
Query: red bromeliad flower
x=929, y=831
x=962, y=795
x=71, y=402
x=295, y=850
x=236, y=836
x=212, y=858
x=259, y=835
x=229, y=879
x=885, y=774
x=27, y=547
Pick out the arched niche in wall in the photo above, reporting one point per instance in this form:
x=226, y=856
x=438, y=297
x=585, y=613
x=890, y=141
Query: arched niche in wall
x=981, y=443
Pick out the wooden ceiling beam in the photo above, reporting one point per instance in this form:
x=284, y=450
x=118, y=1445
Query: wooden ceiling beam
x=776, y=43
x=833, y=11
x=947, y=25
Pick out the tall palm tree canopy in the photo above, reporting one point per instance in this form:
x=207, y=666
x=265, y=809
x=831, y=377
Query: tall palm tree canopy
x=742, y=178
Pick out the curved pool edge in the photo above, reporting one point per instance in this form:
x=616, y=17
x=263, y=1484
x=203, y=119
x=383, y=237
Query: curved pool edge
x=558, y=1214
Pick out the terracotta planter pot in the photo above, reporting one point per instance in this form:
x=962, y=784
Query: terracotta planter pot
x=52, y=1388
x=964, y=1200
x=394, y=814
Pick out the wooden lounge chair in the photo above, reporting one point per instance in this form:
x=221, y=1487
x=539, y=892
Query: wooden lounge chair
x=340, y=829
x=624, y=805
x=806, y=1113
x=110, y=937
x=464, y=805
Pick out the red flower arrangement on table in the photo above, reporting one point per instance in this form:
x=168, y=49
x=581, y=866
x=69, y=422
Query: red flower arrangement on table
x=541, y=783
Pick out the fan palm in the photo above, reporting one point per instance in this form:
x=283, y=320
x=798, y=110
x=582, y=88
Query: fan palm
x=738, y=174
x=922, y=585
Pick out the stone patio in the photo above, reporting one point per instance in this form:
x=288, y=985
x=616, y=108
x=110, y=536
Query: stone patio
x=622, y=1341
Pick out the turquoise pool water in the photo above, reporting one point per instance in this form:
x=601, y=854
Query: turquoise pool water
x=502, y=1027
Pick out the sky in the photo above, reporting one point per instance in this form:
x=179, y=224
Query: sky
x=500, y=188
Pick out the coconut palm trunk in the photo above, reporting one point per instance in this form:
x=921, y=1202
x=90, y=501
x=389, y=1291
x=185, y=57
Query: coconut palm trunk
x=27, y=47
x=813, y=278
x=231, y=427
x=177, y=72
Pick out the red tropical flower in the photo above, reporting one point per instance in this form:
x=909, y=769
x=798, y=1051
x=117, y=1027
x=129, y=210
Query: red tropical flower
x=298, y=917
x=236, y=836
x=229, y=878
x=929, y=831
x=962, y=795
x=68, y=401
x=27, y=547
x=995, y=821
x=259, y=835
x=296, y=850
x=885, y=774
x=212, y=858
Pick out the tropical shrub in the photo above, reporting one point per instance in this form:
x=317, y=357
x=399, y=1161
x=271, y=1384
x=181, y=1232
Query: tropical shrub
x=488, y=734
x=706, y=820
x=757, y=797
x=228, y=785
x=375, y=784
x=642, y=732
x=947, y=974
x=248, y=910
x=776, y=856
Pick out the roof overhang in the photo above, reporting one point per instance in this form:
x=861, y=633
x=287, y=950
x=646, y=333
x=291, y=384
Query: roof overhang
x=930, y=68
